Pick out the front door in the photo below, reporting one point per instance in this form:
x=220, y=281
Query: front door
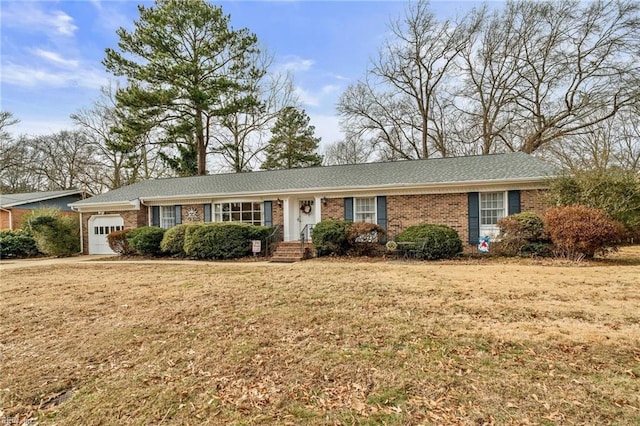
x=306, y=217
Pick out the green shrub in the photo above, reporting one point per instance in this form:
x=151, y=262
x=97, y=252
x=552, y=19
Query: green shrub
x=173, y=240
x=118, y=242
x=16, y=244
x=432, y=241
x=617, y=192
x=330, y=237
x=55, y=234
x=221, y=240
x=146, y=240
x=365, y=239
x=579, y=231
x=522, y=234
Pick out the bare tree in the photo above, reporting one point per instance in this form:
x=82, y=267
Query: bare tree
x=489, y=69
x=615, y=143
x=578, y=67
x=63, y=160
x=396, y=106
x=15, y=175
x=351, y=150
x=122, y=162
x=239, y=138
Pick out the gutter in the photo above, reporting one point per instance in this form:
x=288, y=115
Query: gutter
x=10, y=218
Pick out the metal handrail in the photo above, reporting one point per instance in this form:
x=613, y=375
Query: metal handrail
x=304, y=235
x=275, y=236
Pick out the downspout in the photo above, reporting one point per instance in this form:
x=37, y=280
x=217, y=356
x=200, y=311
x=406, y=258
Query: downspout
x=10, y=218
x=81, y=235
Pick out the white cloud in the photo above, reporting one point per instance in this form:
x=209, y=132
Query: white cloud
x=36, y=127
x=56, y=58
x=28, y=76
x=29, y=17
x=329, y=89
x=295, y=64
x=306, y=97
x=327, y=128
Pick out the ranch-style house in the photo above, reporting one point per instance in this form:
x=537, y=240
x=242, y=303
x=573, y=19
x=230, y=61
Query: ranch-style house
x=469, y=194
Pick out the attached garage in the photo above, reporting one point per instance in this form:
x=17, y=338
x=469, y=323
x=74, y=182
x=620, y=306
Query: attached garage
x=99, y=227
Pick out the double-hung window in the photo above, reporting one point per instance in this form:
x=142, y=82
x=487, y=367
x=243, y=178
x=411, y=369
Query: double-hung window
x=167, y=216
x=365, y=210
x=492, y=209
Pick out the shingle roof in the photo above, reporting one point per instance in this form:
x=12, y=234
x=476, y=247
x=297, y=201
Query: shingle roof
x=497, y=167
x=12, y=200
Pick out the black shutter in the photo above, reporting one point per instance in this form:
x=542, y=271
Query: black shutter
x=513, y=204
x=206, y=212
x=381, y=207
x=474, y=217
x=348, y=209
x=155, y=216
x=178, y=210
x=268, y=213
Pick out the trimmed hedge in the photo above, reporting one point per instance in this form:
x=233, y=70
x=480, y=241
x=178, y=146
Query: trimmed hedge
x=222, y=240
x=579, y=231
x=173, y=240
x=330, y=237
x=522, y=234
x=432, y=241
x=146, y=240
x=16, y=244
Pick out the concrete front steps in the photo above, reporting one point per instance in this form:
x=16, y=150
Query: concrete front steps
x=292, y=251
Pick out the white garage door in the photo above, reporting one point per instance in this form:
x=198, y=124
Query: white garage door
x=99, y=227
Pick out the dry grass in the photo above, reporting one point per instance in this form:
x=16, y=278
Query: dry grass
x=323, y=342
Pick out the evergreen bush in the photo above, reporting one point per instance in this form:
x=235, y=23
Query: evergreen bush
x=432, y=241
x=579, y=231
x=17, y=244
x=330, y=237
x=221, y=240
x=55, y=234
x=146, y=240
x=522, y=234
x=617, y=192
x=173, y=240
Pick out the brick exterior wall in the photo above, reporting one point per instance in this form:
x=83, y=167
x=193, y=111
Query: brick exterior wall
x=18, y=215
x=444, y=209
x=278, y=214
x=533, y=201
x=132, y=219
x=402, y=211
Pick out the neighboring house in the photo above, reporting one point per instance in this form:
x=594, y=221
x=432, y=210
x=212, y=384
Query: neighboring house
x=469, y=194
x=13, y=207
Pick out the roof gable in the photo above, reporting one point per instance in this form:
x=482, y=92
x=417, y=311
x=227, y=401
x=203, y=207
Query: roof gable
x=14, y=200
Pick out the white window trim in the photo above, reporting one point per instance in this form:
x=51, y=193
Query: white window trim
x=215, y=217
x=163, y=218
x=375, y=209
x=492, y=231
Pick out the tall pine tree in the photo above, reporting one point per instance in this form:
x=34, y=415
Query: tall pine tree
x=182, y=62
x=292, y=144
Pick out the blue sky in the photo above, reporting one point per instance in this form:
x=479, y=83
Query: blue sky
x=51, y=51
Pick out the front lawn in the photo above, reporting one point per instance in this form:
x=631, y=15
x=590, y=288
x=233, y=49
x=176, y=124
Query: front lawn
x=322, y=342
